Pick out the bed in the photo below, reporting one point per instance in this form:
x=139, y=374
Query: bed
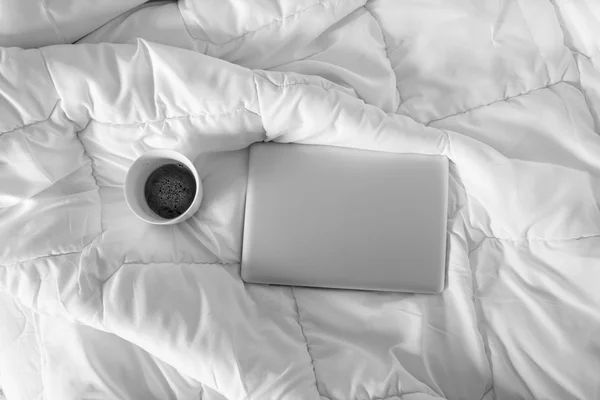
x=95, y=304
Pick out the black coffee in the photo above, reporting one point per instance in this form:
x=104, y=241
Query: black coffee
x=170, y=190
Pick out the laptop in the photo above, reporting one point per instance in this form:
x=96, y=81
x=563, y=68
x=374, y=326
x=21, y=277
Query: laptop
x=333, y=217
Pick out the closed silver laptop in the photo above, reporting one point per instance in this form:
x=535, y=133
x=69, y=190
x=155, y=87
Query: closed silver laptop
x=345, y=218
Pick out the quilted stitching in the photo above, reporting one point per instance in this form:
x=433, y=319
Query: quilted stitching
x=449, y=146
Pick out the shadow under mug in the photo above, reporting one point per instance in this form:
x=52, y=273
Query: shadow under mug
x=138, y=174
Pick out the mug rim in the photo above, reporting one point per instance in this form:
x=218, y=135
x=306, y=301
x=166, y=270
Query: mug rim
x=176, y=157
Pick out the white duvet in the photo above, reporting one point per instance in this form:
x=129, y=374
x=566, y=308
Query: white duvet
x=96, y=304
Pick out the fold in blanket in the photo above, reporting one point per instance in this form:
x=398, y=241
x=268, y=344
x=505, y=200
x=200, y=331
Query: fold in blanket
x=524, y=221
x=30, y=23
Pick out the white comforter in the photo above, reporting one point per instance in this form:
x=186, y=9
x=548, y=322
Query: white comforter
x=96, y=304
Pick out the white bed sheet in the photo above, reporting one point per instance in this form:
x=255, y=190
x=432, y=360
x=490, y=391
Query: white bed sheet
x=506, y=89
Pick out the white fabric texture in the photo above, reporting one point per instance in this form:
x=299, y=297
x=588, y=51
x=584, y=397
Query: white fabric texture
x=97, y=304
x=36, y=23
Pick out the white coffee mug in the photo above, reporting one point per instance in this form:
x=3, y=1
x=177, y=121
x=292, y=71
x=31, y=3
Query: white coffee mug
x=135, y=182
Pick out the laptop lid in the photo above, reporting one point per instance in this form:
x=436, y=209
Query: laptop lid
x=335, y=217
